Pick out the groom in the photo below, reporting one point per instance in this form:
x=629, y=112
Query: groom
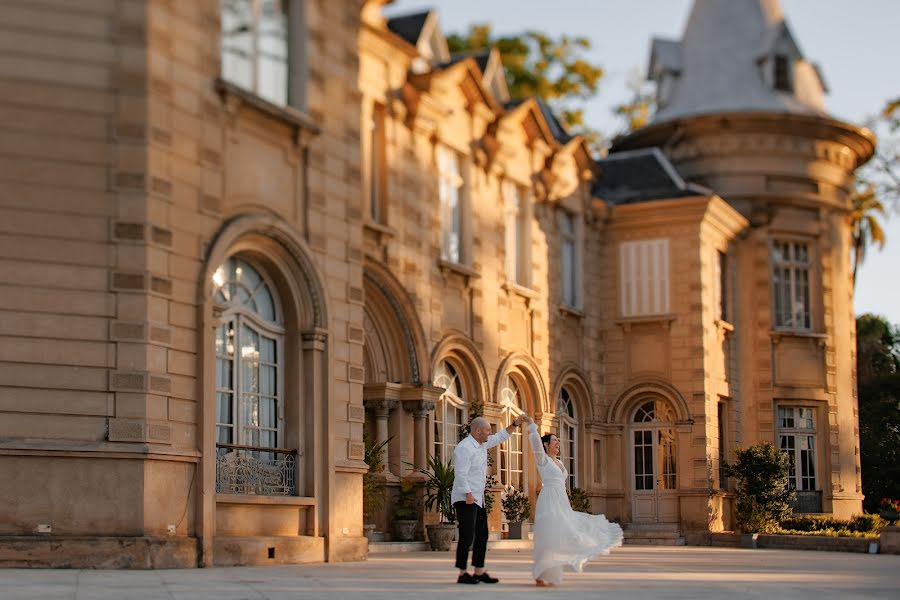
x=470, y=469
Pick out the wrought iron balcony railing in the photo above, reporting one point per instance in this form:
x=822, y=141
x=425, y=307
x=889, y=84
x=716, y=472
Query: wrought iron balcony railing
x=254, y=470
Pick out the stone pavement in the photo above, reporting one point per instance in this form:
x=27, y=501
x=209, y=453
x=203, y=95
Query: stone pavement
x=631, y=572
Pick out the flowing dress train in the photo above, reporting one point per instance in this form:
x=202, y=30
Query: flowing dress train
x=561, y=535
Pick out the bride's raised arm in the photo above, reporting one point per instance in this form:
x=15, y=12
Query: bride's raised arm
x=537, y=447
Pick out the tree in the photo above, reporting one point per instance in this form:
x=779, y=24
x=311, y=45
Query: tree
x=638, y=110
x=878, y=374
x=864, y=223
x=537, y=65
x=764, y=494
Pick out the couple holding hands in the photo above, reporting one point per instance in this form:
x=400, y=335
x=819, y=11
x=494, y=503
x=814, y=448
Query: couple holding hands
x=561, y=535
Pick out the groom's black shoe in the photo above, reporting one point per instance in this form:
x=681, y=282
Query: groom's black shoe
x=468, y=578
x=485, y=578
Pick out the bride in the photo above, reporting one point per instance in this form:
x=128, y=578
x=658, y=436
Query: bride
x=561, y=535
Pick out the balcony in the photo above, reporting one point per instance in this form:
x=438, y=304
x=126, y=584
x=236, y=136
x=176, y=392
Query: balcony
x=254, y=470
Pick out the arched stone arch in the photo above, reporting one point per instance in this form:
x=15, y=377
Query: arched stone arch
x=272, y=245
x=573, y=377
x=525, y=370
x=283, y=252
x=395, y=341
x=627, y=401
x=459, y=349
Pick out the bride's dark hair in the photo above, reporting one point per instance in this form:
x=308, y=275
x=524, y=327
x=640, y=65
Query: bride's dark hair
x=545, y=439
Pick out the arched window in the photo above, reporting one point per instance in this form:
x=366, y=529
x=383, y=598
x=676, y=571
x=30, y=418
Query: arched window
x=249, y=350
x=511, y=406
x=449, y=412
x=568, y=434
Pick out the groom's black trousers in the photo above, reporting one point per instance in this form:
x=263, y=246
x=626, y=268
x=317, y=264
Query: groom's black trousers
x=472, y=526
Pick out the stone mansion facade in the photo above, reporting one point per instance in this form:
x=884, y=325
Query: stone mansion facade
x=235, y=235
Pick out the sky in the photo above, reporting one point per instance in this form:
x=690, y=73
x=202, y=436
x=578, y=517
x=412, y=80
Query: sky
x=855, y=44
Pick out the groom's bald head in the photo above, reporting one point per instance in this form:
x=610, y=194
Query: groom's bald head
x=480, y=429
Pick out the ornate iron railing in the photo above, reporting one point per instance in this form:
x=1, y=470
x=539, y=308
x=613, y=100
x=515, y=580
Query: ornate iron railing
x=255, y=470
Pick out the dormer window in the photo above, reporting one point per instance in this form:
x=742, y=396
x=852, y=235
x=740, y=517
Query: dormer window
x=781, y=76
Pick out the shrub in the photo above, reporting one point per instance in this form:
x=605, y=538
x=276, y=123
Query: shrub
x=764, y=495
x=516, y=505
x=579, y=500
x=407, y=505
x=373, y=488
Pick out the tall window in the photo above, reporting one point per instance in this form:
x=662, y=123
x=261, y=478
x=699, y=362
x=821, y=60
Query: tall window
x=644, y=277
x=723, y=457
x=797, y=438
x=569, y=260
x=790, y=279
x=518, y=234
x=781, y=75
x=449, y=412
x=450, y=184
x=722, y=285
x=568, y=435
x=377, y=166
x=254, y=40
x=511, y=451
x=249, y=341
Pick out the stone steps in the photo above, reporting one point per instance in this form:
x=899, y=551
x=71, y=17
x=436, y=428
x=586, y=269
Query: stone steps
x=653, y=534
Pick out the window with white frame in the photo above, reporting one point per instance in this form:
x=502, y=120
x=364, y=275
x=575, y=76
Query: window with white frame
x=249, y=342
x=254, y=44
x=449, y=411
x=791, y=265
x=568, y=435
x=511, y=406
x=450, y=192
x=644, y=277
x=518, y=234
x=797, y=438
x=570, y=259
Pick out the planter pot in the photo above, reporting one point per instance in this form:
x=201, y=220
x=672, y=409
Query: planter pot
x=891, y=516
x=519, y=530
x=368, y=530
x=440, y=536
x=405, y=530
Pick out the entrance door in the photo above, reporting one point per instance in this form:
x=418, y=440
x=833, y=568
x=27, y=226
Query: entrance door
x=654, y=479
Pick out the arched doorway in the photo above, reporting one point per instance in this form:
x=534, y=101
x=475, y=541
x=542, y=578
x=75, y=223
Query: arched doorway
x=653, y=464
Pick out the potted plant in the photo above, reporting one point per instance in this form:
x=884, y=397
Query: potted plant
x=373, y=488
x=579, y=500
x=406, y=512
x=889, y=509
x=438, y=484
x=516, y=508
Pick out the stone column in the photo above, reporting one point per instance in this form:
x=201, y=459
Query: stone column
x=382, y=409
x=420, y=410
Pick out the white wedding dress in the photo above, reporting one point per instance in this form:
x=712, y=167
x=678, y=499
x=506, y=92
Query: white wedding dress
x=561, y=535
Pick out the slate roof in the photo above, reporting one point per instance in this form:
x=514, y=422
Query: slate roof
x=720, y=61
x=640, y=176
x=409, y=27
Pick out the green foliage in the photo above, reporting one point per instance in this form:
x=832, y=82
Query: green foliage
x=579, y=500
x=537, y=65
x=438, y=488
x=764, y=495
x=866, y=228
x=638, y=109
x=373, y=488
x=516, y=505
x=407, y=505
x=865, y=523
x=878, y=372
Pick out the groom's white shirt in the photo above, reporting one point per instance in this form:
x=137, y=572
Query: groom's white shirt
x=470, y=466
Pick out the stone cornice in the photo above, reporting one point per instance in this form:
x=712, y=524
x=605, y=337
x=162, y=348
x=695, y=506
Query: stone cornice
x=751, y=131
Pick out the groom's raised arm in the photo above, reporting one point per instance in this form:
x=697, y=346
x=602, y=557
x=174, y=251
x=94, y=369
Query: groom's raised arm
x=502, y=435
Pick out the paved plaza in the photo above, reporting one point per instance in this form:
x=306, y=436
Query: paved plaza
x=629, y=573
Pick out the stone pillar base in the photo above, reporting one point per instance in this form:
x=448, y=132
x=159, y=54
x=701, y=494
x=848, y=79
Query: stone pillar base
x=56, y=552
